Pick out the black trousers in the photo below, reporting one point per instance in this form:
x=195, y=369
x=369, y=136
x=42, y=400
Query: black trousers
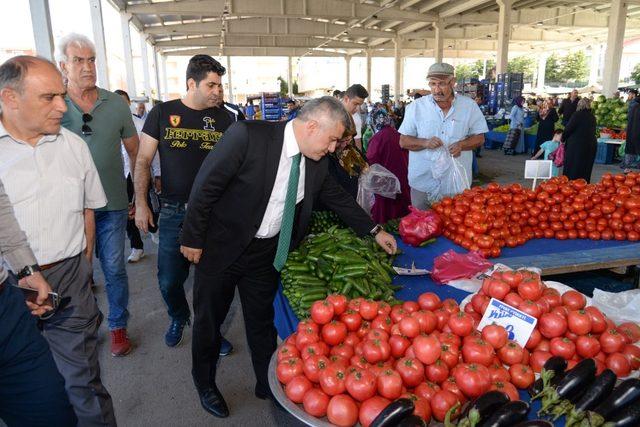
x=257, y=282
x=132, y=231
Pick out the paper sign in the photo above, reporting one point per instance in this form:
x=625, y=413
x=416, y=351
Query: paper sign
x=537, y=169
x=518, y=324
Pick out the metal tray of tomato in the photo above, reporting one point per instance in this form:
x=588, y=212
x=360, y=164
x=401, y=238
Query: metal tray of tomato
x=293, y=408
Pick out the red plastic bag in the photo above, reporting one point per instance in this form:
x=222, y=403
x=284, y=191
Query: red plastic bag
x=452, y=265
x=420, y=226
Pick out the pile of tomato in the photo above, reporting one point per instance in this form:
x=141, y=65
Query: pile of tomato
x=354, y=357
x=486, y=219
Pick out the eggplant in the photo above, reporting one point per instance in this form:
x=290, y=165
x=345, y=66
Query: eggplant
x=508, y=414
x=395, y=412
x=485, y=405
x=599, y=390
x=628, y=417
x=412, y=421
x=534, y=423
x=552, y=372
x=576, y=381
x=622, y=396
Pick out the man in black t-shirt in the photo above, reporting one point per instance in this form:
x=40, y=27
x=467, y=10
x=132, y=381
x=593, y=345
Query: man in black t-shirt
x=183, y=131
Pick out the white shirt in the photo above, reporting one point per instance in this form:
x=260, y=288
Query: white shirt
x=424, y=119
x=155, y=163
x=357, y=119
x=49, y=186
x=272, y=220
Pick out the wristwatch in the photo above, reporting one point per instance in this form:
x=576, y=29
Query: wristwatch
x=28, y=271
x=374, y=232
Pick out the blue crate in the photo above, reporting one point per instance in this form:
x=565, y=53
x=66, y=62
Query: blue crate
x=604, y=154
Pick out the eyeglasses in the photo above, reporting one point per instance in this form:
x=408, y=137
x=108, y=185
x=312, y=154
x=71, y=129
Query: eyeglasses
x=86, y=130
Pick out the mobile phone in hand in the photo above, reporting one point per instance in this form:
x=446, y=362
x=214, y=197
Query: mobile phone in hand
x=31, y=295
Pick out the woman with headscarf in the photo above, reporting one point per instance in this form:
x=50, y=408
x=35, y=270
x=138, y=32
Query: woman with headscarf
x=384, y=149
x=515, y=138
x=547, y=118
x=580, y=141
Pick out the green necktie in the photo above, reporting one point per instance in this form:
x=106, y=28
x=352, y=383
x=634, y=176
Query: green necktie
x=287, y=216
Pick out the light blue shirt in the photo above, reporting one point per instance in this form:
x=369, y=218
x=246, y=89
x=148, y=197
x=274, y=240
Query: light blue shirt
x=517, y=117
x=424, y=119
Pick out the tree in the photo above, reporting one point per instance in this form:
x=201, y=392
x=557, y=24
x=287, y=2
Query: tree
x=553, y=69
x=284, y=87
x=479, y=67
x=575, y=67
x=295, y=88
x=466, y=71
x=635, y=74
x=522, y=64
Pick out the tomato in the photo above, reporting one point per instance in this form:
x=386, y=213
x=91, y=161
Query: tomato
x=531, y=308
x=522, y=376
x=426, y=390
x=377, y=334
x=399, y=345
x=361, y=384
x=511, y=353
x=619, y=364
x=574, y=300
x=426, y=348
x=498, y=289
x=376, y=350
x=352, y=339
x=334, y=332
x=343, y=350
x=449, y=338
x=339, y=303
x=313, y=366
x=410, y=306
x=437, y=372
x=495, y=335
x=561, y=310
x=506, y=388
x=478, y=351
x=371, y=408
x=314, y=349
x=474, y=380
x=288, y=369
x=342, y=411
x=297, y=388
x=513, y=299
x=449, y=354
x=382, y=321
x=351, y=319
x=411, y=371
x=287, y=351
x=611, y=341
x=429, y=301
x=534, y=340
x=322, y=312
x=579, y=322
x=538, y=359
x=630, y=329
x=384, y=308
x=479, y=303
x=552, y=325
x=461, y=324
x=389, y=384
x=397, y=313
x=632, y=352
x=441, y=402
x=409, y=326
x=422, y=408
x=427, y=320
x=530, y=289
x=512, y=278
x=368, y=309
x=306, y=337
x=315, y=402
x=562, y=347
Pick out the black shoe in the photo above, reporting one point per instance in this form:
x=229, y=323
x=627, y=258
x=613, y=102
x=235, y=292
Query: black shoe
x=213, y=402
x=269, y=396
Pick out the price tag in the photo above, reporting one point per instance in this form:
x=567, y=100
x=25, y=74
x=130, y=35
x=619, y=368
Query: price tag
x=518, y=324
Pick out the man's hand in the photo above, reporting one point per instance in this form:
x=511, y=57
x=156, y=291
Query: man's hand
x=387, y=242
x=132, y=211
x=144, y=217
x=455, y=149
x=433, y=142
x=192, y=254
x=38, y=282
x=157, y=183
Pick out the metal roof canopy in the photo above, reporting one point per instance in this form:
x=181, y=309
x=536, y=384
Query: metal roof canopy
x=350, y=27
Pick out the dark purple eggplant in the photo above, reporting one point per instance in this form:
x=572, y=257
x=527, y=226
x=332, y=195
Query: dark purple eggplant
x=574, y=383
x=485, y=405
x=396, y=411
x=599, y=390
x=625, y=394
x=412, y=421
x=507, y=415
x=628, y=417
x=552, y=372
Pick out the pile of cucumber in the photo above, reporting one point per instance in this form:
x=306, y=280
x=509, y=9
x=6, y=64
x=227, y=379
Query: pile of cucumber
x=321, y=221
x=587, y=399
x=337, y=262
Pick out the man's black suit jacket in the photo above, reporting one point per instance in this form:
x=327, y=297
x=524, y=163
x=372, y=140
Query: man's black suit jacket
x=232, y=189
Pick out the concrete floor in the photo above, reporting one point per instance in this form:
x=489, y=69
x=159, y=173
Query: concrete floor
x=152, y=386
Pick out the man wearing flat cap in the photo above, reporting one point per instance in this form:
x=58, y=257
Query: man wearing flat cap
x=434, y=125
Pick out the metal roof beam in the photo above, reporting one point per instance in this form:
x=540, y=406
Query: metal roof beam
x=460, y=6
x=258, y=41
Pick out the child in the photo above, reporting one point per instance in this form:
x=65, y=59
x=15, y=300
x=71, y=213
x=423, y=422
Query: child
x=548, y=148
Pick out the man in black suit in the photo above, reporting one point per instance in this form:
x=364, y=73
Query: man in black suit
x=250, y=203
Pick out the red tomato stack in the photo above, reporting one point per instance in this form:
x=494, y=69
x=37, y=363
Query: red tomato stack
x=492, y=217
x=352, y=358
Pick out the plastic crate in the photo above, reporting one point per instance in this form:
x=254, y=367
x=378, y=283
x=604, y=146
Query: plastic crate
x=604, y=153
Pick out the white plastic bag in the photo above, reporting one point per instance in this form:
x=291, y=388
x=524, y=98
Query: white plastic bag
x=619, y=306
x=450, y=174
x=376, y=180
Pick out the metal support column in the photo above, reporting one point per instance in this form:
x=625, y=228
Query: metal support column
x=397, y=90
x=290, y=76
x=41, y=26
x=98, y=40
x=504, y=32
x=157, y=74
x=542, y=68
x=165, y=80
x=145, y=66
x=596, y=51
x=347, y=63
x=438, y=51
x=613, y=54
x=128, y=54
x=230, y=97
x=369, y=72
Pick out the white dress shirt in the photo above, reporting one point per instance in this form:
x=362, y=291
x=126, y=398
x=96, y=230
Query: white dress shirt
x=155, y=163
x=272, y=220
x=357, y=120
x=49, y=186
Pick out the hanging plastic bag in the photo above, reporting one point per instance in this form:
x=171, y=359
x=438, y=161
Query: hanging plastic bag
x=376, y=180
x=450, y=174
x=619, y=306
x=420, y=226
x=452, y=265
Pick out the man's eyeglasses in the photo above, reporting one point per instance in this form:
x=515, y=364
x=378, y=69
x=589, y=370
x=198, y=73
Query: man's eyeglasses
x=86, y=130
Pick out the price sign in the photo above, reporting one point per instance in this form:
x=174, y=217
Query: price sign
x=518, y=324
